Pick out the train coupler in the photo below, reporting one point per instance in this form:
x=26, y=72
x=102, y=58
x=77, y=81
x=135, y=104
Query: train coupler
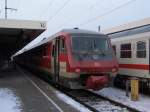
x=96, y=82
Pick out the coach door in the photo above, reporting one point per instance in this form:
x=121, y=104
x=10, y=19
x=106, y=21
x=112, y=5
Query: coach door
x=56, y=60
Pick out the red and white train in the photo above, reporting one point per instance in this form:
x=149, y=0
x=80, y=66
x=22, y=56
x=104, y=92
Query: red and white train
x=74, y=58
x=131, y=43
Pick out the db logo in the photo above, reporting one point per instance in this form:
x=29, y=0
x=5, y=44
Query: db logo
x=43, y=25
x=96, y=64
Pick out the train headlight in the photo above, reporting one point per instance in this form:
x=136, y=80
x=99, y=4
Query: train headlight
x=114, y=70
x=77, y=70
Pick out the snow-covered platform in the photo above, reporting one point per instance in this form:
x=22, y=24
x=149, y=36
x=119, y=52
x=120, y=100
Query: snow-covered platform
x=23, y=92
x=119, y=95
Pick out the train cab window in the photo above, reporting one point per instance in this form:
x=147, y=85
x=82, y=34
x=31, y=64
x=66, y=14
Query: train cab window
x=114, y=48
x=125, y=51
x=141, y=49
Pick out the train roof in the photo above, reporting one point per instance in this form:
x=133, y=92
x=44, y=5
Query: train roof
x=69, y=31
x=80, y=31
x=127, y=26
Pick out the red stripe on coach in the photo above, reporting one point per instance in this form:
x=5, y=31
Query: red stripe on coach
x=134, y=66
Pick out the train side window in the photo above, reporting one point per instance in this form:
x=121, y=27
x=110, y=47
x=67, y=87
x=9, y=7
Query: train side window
x=44, y=50
x=141, y=49
x=62, y=45
x=39, y=52
x=125, y=51
x=114, y=48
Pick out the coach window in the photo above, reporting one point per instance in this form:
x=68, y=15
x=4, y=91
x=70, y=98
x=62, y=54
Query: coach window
x=141, y=49
x=125, y=51
x=114, y=48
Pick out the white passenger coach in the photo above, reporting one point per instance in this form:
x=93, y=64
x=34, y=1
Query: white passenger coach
x=131, y=43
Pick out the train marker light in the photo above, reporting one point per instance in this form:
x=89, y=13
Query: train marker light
x=97, y=64
x=114, y=70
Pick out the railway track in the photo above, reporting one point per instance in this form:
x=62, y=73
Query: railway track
x=93, y=101
x=97, y=103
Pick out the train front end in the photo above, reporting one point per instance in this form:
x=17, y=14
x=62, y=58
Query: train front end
x=91, y=60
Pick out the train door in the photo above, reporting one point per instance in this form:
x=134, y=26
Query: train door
x=56, y=60
x=149, y=55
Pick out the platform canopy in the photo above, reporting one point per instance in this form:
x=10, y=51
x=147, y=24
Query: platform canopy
x=14, y=34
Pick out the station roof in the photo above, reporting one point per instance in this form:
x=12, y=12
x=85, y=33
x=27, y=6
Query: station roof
x=11, y=30
x=23, y=24
x=127, y=26
x=14, y=34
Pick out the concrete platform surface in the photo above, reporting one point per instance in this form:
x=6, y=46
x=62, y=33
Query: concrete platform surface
x=33, y=94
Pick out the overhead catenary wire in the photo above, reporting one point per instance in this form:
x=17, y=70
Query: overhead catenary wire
x=19, y=3
x=106, y=13
x=49, y=6
x=60, y=9
x=93, y=5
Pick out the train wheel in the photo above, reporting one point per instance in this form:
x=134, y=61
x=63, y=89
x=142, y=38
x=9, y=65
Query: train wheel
x=118, y=82
x=148, y=86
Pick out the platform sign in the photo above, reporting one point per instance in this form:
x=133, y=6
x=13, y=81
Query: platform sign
x=134, y=89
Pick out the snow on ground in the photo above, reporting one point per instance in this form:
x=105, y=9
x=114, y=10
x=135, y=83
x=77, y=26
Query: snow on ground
x=71, y=102
x=106, y=106
x=8, y=101
x=119, y=95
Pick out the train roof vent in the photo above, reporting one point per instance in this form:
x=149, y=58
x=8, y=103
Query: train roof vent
x=43, y=39
x=76, y=28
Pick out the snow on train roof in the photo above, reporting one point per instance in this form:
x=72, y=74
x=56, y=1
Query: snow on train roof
x=45, y=40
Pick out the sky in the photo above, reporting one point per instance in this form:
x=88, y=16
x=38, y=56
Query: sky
x=84, y=14
x=77, y=12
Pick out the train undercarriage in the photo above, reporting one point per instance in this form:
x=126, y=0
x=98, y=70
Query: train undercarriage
x=121, y=80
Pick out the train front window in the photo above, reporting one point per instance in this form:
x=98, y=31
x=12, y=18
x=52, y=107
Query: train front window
x=90, y=47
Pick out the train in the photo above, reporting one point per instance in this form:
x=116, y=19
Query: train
x=131, y=44
x=73, y=58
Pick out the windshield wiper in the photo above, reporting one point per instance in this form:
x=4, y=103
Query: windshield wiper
x=102, y=52
x=90, y=52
